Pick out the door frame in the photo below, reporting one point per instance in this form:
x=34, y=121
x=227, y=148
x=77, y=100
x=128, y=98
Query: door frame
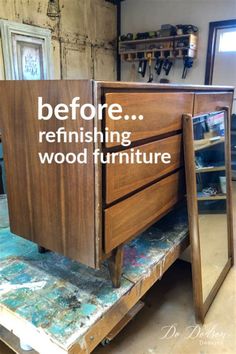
x=210, y=59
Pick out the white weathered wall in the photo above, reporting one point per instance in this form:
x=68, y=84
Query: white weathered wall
x=84, y=36
x=145, y=15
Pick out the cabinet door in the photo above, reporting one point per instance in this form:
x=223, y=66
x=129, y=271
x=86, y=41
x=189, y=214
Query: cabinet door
x=211, y=102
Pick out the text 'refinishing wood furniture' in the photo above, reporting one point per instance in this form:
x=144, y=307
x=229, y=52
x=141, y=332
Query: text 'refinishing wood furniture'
x=89, y=211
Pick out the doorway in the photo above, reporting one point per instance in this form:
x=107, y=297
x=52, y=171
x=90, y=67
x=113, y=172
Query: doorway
x=221, y=67
x=221, y=55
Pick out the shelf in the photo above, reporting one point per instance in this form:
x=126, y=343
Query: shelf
x=129, y=49
x=210, y=169
x=157, y=39
x=205, y=143
x=161, y=57
x=213, y=197
x=155, y=50
x=138, y=60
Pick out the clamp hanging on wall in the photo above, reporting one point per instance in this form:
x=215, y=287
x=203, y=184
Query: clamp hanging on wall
x=188, y=63
x=149, y=59
x=142, y=67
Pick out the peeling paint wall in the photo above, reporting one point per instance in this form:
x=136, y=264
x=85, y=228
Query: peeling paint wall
x=83, y=35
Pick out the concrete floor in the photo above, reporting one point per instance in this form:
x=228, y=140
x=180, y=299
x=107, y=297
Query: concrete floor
x=166, y=324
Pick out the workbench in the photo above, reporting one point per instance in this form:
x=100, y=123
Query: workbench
x=59, y=306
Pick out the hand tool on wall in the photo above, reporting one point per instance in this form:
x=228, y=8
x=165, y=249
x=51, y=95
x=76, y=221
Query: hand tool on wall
x=167, y=30
x=164, y=81
x=127, y=37
x=158, y=65
x=186, y=29
x=167, y=65
x=146, y=35
x=157, y=55
x=188, y=63
x=142, y=67
x=149, y=59
x=142, y=63
x=182, y=43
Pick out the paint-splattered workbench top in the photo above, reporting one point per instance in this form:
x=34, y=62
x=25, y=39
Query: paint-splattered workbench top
x=60, y=306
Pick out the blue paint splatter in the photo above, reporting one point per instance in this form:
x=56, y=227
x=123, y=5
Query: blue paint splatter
x=13, y=268
x=21, y=279
x=88, y=309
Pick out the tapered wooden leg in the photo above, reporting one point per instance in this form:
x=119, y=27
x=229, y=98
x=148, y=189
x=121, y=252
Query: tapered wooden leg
x=115, y=264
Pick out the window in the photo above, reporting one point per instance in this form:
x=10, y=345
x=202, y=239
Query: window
x=227, y=41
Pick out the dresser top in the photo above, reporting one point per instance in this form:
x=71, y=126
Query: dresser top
x=141, y=85
x=133, y=85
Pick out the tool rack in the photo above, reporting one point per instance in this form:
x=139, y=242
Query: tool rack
x=160, y=47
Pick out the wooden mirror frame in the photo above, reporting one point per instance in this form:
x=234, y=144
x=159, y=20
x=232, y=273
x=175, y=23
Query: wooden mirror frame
x=202, y=307
x=213, y=28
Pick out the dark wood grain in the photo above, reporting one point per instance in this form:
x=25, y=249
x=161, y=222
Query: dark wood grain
x=162, y=113
x=122, y=179
x=151, y=87
x=131, y=216
x=210, y=102
x=98, y=184
x=115, y=265
x=52, y=205
x=189, y=156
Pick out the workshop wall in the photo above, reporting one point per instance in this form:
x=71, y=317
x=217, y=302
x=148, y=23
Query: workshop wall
x=137, y=17
x=83, y=34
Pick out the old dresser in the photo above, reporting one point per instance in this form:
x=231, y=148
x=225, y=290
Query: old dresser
x=85, y=211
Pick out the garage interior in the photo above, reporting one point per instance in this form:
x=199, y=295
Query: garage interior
x=127, y=285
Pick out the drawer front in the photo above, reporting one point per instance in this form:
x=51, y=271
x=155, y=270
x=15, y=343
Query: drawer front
x=133, y=215
x=210, y=102
x=162, y=113
x=122, y=178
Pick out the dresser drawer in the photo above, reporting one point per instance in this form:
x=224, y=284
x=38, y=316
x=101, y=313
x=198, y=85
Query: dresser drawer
x=122, y=178
x=131, y=216
x=210, y=102
x=162, y=113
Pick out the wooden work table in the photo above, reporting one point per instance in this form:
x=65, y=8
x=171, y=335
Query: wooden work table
x=67, y=308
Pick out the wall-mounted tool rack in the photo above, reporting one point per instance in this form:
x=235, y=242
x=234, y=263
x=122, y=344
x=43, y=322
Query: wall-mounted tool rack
x=172, y=47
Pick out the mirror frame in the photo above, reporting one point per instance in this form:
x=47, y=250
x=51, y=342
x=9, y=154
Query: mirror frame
x=201, y=307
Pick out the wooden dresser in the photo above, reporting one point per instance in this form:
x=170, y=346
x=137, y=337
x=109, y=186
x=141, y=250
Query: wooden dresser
x=85, y=211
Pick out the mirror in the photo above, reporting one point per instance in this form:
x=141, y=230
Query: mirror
x=208, y=184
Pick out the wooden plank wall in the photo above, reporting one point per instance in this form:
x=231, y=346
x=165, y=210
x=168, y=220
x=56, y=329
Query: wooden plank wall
x=83, y=35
